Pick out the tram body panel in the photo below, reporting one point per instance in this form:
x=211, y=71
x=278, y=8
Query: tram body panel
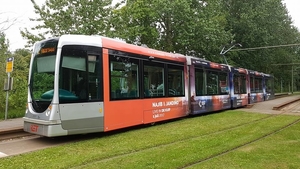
x=204, y=104
x=82, y=116
x=164, y=109
x=256, y=97
x=121, y=114
x=239, y=100
x=47, y=123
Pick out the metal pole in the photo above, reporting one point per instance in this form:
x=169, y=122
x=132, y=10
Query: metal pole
x=292, y=79
x=281, y=86
x=6, y=106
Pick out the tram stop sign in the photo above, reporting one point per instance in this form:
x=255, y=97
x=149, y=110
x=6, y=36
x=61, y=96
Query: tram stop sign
x=9, y=64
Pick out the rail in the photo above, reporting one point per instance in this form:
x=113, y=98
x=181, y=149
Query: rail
x=13, y=134
x=279, y=95
x=279, y=107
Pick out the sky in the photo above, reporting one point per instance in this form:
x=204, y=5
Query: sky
x=23, y=10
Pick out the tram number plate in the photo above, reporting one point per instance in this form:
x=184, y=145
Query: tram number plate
x=34, y=128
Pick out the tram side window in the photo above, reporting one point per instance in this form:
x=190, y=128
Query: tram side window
x=258, y=85
x=154, y=80
x=95, y=73
x=223, y=83
x=124, y=82
x=217, y=83
x=239, y=82
x=175, y=81
x=243, y=84
x=200, y=82
x=212, y=83
x=252, y=85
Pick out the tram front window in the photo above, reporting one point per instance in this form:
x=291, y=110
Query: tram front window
x=42, y=81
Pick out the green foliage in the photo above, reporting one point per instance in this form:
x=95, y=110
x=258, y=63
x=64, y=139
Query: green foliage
x=262, y=23
x=58, y=17
x=43, y=82
x=187, y=27
x=13, y=113
x=18, y=95
x=4, y=54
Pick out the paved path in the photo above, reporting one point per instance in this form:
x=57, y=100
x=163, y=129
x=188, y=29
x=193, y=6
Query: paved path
x=267, y=106
x=11, y=124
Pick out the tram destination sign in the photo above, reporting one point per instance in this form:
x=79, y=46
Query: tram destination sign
x=9, y=64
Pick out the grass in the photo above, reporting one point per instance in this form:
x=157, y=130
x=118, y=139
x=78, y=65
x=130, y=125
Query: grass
x=12, y=113
x=178, y=144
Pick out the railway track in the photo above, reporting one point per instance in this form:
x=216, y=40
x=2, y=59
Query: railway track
x=277, y=96
x=13, y=134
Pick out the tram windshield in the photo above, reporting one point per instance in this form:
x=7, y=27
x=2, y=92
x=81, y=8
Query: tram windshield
x=42, y=74
x=79, y=75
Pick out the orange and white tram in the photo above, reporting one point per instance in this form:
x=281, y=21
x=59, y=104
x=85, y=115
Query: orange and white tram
x=84, y=84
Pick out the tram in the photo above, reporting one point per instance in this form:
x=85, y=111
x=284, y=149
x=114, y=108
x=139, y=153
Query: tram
x=81, y=84
x=84, y=84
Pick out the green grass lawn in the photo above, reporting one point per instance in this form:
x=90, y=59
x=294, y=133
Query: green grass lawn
x=187, y=142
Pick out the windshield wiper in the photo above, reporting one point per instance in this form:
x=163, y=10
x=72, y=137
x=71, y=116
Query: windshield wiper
x=35, y=104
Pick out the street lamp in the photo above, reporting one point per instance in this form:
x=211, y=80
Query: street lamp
x=223, y=51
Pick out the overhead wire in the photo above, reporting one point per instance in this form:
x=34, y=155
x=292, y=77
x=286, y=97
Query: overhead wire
x=266, y=47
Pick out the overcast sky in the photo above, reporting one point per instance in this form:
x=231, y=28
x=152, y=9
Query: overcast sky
x=23, y=10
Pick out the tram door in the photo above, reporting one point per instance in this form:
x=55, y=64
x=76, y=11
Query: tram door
x=81, y=74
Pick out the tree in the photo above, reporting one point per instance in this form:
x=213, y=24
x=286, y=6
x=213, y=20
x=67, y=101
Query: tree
x=188, y=27
x=57, y=17
x=260, y=23
x=18, y=96
x=4, y=53
x=6, y=23
x=184, y=26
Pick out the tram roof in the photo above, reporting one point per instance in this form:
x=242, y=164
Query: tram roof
x=115, y=44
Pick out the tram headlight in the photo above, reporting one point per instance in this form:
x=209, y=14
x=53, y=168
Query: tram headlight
x=26, y=111
x=48, y=111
